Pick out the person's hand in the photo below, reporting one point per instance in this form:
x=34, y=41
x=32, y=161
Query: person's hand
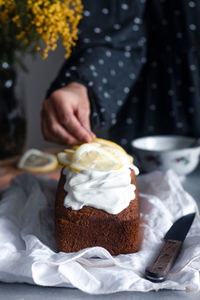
x=65, y=116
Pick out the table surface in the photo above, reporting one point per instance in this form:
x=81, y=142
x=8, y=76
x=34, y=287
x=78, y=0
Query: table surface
x=191, y=184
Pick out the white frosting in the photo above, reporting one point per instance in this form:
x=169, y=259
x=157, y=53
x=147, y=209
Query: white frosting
x=111, y=191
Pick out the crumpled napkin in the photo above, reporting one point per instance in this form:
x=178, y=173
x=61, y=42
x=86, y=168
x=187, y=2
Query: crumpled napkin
x=28, y=249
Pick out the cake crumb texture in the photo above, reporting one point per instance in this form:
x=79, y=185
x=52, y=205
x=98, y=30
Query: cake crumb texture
x=89, y=227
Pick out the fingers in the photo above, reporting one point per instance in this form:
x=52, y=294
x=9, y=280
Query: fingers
x=74, y=127
x=66, y=114
x=52, y=129
x=84, y=119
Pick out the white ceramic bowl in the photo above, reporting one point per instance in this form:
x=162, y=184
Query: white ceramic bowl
x=164, y=152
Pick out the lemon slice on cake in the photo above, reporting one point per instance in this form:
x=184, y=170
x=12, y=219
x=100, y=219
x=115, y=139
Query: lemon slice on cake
x=99, y=155
x=34, y=160
x=107, y=143
x=92, y=156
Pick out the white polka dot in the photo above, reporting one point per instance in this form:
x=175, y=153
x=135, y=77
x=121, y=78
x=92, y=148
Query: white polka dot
x=95, y=114
x=86, y=13
x=82, y=59
x=171, y=93
x=154, y=86
x=113, y=121
x=97, y=30
x=143, y=60
x=113, y=115
x=67, y=74
x=108, y=53
x=178, y=103
x=127, y=48
x=129, y=121
x=191, y=110
x=119, y=102
x=178, y=61
x=179, y=124
x=137, y=20
x=168, y=48
x=132, y=76
x=102, y=109
x=105, y=11
x=191, y=89
x=100, y=88
x=86, y=40
x=135, y=100
x=92, y=67
x=106, y=95
x=124, y=6
x=95, y=74
x=124, y=141
x=112, y=72
x=151, y=128
x=179, y=82
x=177, y=12
x=179, y=35
x=101, y=61
x=192, y=27
x=193, y=68
x=89, y=50
x=126, y=90
x=152, y=107
x=142, y=1
x=164, y=22
x=116, y=26
x=8, y=83
x=90, y=83
x=127, y=54
x=192, y=4
x=135, y=27
x=142, y=41
x=104, y=80
x=120, y=63
x=5, y=65
x=154, y=64
x=73, y=68
x=169, y=70
x=108, y=38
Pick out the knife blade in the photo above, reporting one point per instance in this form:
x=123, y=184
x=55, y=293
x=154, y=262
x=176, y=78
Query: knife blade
x=170, y=250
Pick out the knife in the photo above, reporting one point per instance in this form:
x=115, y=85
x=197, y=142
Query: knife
x=173, y=241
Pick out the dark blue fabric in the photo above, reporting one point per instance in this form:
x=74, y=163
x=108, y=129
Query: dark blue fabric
x=140, y=62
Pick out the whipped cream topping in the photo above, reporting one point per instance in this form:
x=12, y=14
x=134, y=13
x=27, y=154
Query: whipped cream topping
x=110, y=191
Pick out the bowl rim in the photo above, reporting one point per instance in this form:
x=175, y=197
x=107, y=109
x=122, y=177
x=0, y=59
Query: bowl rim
x=195, y=143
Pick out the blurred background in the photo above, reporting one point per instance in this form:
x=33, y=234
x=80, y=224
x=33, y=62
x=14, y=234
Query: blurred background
x=37, y=80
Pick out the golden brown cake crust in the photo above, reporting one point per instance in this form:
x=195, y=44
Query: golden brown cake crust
x=88, y=227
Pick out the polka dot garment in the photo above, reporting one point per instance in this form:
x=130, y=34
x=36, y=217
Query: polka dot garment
x=141, y=64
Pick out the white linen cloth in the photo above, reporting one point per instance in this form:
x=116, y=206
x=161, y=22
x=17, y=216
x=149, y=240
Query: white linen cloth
x=28, y=248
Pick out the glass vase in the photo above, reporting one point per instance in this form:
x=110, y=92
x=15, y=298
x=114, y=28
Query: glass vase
x=12, y=110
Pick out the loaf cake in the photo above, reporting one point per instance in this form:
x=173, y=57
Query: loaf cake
x=97, y=221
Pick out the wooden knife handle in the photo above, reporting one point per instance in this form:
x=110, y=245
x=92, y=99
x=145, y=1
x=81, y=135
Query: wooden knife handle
x=164, y=261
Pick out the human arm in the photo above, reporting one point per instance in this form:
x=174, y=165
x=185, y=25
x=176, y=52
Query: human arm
x=107, y=58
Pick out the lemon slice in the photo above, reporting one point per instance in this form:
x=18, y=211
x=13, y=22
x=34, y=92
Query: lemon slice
x=34, y=160
x=89, y=156
x=107, y=143
x=69, y=151
x=125, y=158
x=64, y=158
x=99, y=155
